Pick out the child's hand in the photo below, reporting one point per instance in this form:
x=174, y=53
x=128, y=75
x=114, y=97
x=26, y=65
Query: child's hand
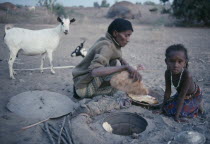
x=179, y=120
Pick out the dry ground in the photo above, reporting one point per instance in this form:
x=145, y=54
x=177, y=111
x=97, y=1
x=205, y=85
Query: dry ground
x=147, y=47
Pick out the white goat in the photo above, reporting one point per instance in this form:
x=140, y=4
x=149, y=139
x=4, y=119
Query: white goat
x=31, y=8
x=34, y=42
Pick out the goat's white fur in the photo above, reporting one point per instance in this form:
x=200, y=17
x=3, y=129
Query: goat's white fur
x=34, y=42
x=31, y=8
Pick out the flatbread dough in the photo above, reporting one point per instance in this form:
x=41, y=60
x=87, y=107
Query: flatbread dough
x=121, y=81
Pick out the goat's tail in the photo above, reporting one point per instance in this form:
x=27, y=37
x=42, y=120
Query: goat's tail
x=8, y=26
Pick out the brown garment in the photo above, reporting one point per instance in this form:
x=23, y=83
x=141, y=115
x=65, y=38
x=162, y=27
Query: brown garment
x=103, y=53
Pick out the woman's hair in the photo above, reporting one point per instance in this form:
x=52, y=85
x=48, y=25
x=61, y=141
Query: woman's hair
x=119, y=25
x=177, y=47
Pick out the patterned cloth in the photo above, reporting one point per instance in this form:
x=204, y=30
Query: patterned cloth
x=190, y=107
x=98, y=86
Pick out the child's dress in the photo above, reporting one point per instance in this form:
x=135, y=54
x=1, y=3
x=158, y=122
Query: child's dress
x=190, y=107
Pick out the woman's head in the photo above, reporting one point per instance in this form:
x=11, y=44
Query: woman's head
x=121, y=30
x=176, y=58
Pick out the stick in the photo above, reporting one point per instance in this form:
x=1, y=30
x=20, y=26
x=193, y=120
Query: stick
x=48, y=132
x=57, y=134
x=67, y=135
x=59, y=137
x=69, y=124
x=60, y=67
x=24, y=128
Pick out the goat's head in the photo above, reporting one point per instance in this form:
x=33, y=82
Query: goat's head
x=79, y=52
x=65, y=22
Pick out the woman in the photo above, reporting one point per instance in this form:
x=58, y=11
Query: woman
x=92, y=75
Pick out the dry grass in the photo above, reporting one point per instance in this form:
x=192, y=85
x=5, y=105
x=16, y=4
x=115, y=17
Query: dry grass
x=22, y=15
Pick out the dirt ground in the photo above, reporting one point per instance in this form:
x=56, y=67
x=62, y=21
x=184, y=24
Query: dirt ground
x=147, y=47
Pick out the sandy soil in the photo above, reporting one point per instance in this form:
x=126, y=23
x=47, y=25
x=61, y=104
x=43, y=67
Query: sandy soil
x=147, y=47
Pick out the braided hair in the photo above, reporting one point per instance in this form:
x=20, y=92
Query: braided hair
x=177, y=47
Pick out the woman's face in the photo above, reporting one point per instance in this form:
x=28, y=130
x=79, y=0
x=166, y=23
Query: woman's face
x=122, y=37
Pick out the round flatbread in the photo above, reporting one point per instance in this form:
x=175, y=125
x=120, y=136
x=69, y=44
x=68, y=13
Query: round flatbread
x=144, y=98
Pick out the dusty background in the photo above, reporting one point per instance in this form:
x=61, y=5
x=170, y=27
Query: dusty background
x=147, y=47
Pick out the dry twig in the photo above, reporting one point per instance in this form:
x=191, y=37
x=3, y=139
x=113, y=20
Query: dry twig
x=61, y=67
x=69, y=124
x=24, y=128
x=59, y=137
x=53, y=130
x=48, y=132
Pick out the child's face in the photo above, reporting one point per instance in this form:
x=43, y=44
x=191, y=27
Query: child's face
x=176, y=61
x=122, y=37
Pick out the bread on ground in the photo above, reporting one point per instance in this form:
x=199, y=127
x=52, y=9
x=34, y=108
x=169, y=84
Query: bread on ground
x=107, y=127
x=144, y=98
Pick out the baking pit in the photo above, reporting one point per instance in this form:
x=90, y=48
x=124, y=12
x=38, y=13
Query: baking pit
x=125, y=123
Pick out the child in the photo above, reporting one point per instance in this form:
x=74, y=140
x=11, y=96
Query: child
x=188, y=99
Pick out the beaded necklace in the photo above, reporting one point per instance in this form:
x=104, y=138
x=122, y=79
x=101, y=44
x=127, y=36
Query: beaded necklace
x=178, y=81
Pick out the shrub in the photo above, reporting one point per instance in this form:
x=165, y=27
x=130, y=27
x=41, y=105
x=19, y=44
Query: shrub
x=149, y=3
x=165, y=11
x=192, y=11
x=59, y=10
x=104, y=3
x=96, y=5
x=153, y=9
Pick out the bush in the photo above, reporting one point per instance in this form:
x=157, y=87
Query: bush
x=138, y=3
x=19, y=6
x=149, y=3
x=165, y=11
x=104, y=3
x=153, y=9
x=59, y=10
x=192, y=11
x=96, y=5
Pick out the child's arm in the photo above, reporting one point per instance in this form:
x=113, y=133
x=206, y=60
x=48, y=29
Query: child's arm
x=167, y=93
x=187, y=80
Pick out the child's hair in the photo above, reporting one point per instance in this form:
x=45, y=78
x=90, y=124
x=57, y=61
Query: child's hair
x=177, y=47
x=119, y=25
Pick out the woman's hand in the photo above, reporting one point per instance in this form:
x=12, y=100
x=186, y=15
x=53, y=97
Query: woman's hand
x=123, y=62
x=140, y=67
x=134, y=74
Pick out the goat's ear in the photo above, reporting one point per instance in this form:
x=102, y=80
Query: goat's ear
x=72, y=20
x=59, y=19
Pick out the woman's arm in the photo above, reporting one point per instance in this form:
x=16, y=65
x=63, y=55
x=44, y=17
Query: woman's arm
x=187, y=80
x=104, y=71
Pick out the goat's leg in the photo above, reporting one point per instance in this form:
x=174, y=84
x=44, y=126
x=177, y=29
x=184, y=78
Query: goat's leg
x=11, y=62
x=49, y=53
x=42, y=61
